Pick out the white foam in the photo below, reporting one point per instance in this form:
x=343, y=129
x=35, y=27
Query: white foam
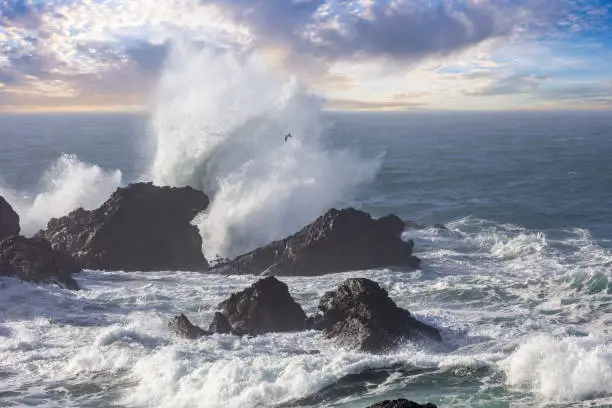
x=561, y=369
x=489, y=287
x=219, y=125
x=68, y=184
x=116, y=328
x=265, y=371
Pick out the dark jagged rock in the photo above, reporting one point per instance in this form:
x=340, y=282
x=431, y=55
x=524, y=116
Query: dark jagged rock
x=401, y=403
x=9, y=220
x=264, y=307
x=220, y=324
x=360, y=314
x=139, y=228
x=338, y=241
x=182, y=327
x=33, y=260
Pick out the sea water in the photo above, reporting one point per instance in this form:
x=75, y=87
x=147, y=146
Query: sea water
x=519, y=283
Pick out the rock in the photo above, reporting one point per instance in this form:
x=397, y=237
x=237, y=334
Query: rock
x=139, y=228
x=360, y=314
x=33, y=260
x=182, y=327
x=220, y=324
x=9, y=220
x=264, y=307
x=401, y=403
x=338, y=241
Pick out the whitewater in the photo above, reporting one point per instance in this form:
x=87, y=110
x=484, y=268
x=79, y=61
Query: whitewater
x=519, y=283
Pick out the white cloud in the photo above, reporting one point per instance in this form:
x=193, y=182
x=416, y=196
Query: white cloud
x=354, y=50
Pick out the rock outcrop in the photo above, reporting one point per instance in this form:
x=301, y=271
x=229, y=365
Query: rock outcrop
x=401, y=403
x=338, y=241
x=220, y=324
x=181, y=326
x=139, y=228
x=33, y=260
x=9, y=220
x=264, y=307
x=361, y=315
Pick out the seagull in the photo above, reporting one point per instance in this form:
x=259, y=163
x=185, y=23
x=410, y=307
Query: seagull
x=287, y=136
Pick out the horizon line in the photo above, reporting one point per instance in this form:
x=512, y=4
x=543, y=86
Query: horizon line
x=145, y=109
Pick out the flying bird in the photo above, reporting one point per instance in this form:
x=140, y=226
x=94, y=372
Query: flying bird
x=287, y=136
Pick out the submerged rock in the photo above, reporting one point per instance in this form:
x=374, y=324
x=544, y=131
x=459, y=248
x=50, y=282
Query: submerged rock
x=139, y=228
x=9, y=220
x=182, y=327
x=360, y=314
x=33, y=260
x=338, y=241
x=401, y=403
x=264, y=307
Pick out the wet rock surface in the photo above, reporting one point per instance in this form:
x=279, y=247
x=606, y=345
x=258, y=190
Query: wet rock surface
x=338, y=241
x=181, y=326
x=220, y=324
x=264, y=307
x=33, y=260
x=9, y=220
x=361, y=315
x=141, y=227
x=401, y=403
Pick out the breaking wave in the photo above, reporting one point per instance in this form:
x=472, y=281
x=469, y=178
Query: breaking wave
x=68, y=184
x=219, y=126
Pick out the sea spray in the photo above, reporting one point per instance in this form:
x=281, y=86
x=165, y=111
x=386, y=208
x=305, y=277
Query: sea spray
x=68, y=184
x=220, y=123
x=561, y=369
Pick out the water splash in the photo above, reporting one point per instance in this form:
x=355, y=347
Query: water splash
x=219, y=125
x=65, y=186
x=561, y=370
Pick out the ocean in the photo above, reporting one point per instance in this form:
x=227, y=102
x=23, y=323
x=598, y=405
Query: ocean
x=520, y=282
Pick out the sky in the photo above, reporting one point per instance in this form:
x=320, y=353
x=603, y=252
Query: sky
x=360, y=55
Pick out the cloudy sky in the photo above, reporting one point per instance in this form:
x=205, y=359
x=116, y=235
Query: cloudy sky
x=363, y=54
